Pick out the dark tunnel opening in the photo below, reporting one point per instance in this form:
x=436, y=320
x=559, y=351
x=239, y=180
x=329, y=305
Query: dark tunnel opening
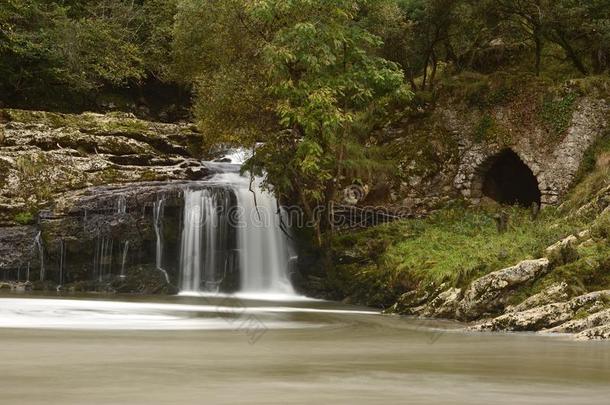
x=510, y=181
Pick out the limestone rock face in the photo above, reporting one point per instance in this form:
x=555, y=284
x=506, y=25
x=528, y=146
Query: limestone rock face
x=558, y=292
x=17, y=246
x=77, y=193
x=546, y=316
x=444, y=305
x=488, y=294
x=45, y=154
x=598, y=333
x=578, y=325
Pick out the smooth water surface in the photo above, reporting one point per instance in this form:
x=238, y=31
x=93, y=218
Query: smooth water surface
x=221, y=349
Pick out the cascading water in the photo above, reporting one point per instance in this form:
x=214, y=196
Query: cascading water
x=124, y=258
x=205, y=239
x=62, y=259
x=263, y=247
x=39, y=244
x=158, y=208
x=226, y=209
x=102, y=258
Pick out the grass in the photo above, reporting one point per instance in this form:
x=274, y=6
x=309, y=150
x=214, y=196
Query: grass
x=457, y=244
x=453, y=246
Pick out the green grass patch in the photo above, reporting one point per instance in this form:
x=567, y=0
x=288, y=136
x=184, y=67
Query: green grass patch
x=452, y=246
x=24, y=218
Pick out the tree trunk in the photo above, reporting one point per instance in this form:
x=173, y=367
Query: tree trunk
x=433, y=74
x=570, y=52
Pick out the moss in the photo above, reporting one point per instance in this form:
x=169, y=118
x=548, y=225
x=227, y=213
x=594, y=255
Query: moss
x=590, y=272
x=600, y=148
x=127, y=126
x=149, y=175
x=556, y=113
x=591, y=86
x=488, y=91
x=581, y=314
x=24, y=218
x=483, y=128
x=110, y=175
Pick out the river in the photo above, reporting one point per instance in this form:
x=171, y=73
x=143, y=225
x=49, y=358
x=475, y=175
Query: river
x=202, y=349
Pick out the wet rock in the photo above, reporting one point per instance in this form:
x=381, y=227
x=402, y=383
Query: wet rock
x=413, y=302
x=578, y=325
x=547, y=316
x=598, y=333
x=558, y=292
x=45, y=285
x=488, y=294
x=144, y=280
x=444, y=305
x=17, y=246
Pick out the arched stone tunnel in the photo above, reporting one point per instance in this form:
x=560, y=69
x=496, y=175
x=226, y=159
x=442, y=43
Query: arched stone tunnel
x=506, y=179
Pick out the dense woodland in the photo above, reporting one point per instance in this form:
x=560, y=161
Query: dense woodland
x=312, y=79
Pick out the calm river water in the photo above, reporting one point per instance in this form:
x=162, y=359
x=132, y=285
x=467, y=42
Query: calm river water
x=226, y=350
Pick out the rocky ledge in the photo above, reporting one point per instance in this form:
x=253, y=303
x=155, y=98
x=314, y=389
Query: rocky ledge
x=86, y=199
x=485, y=301
x=44, y=154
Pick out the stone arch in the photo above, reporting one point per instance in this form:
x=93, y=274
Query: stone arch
x=505, y=178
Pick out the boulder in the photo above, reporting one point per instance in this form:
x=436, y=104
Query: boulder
x=546, y=316
x=558, y=292
x=488, y=294
x=563, y=252
x=598, y=333
x=444, y=305
x=578, y=325
x=414, y=302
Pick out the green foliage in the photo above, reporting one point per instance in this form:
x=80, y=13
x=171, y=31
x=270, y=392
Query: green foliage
x=590, y=272
x=483, y=128
x=303, y=77
x=557, y=113
x=24, y=218
x=55, y=52
x=453, y=246
x=599, y=150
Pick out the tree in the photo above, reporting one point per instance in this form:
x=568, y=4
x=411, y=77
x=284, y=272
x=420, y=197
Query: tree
x=328, y=86
x=582, y=30
x=529, y=16
x=54, y=52
x=218, y=50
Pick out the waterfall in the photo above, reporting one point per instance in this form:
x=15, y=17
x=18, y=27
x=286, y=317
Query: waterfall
x=124, y=259
x=263, y=247
x=205, y=239
x=39, y=244
x=62, y=258
x=224, y=209
x=158, y=207
x=102, y=258
x=121, y=205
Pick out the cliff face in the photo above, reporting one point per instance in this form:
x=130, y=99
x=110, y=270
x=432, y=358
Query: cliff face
x=84, y=197
x=44, y=154
x=446, y=148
